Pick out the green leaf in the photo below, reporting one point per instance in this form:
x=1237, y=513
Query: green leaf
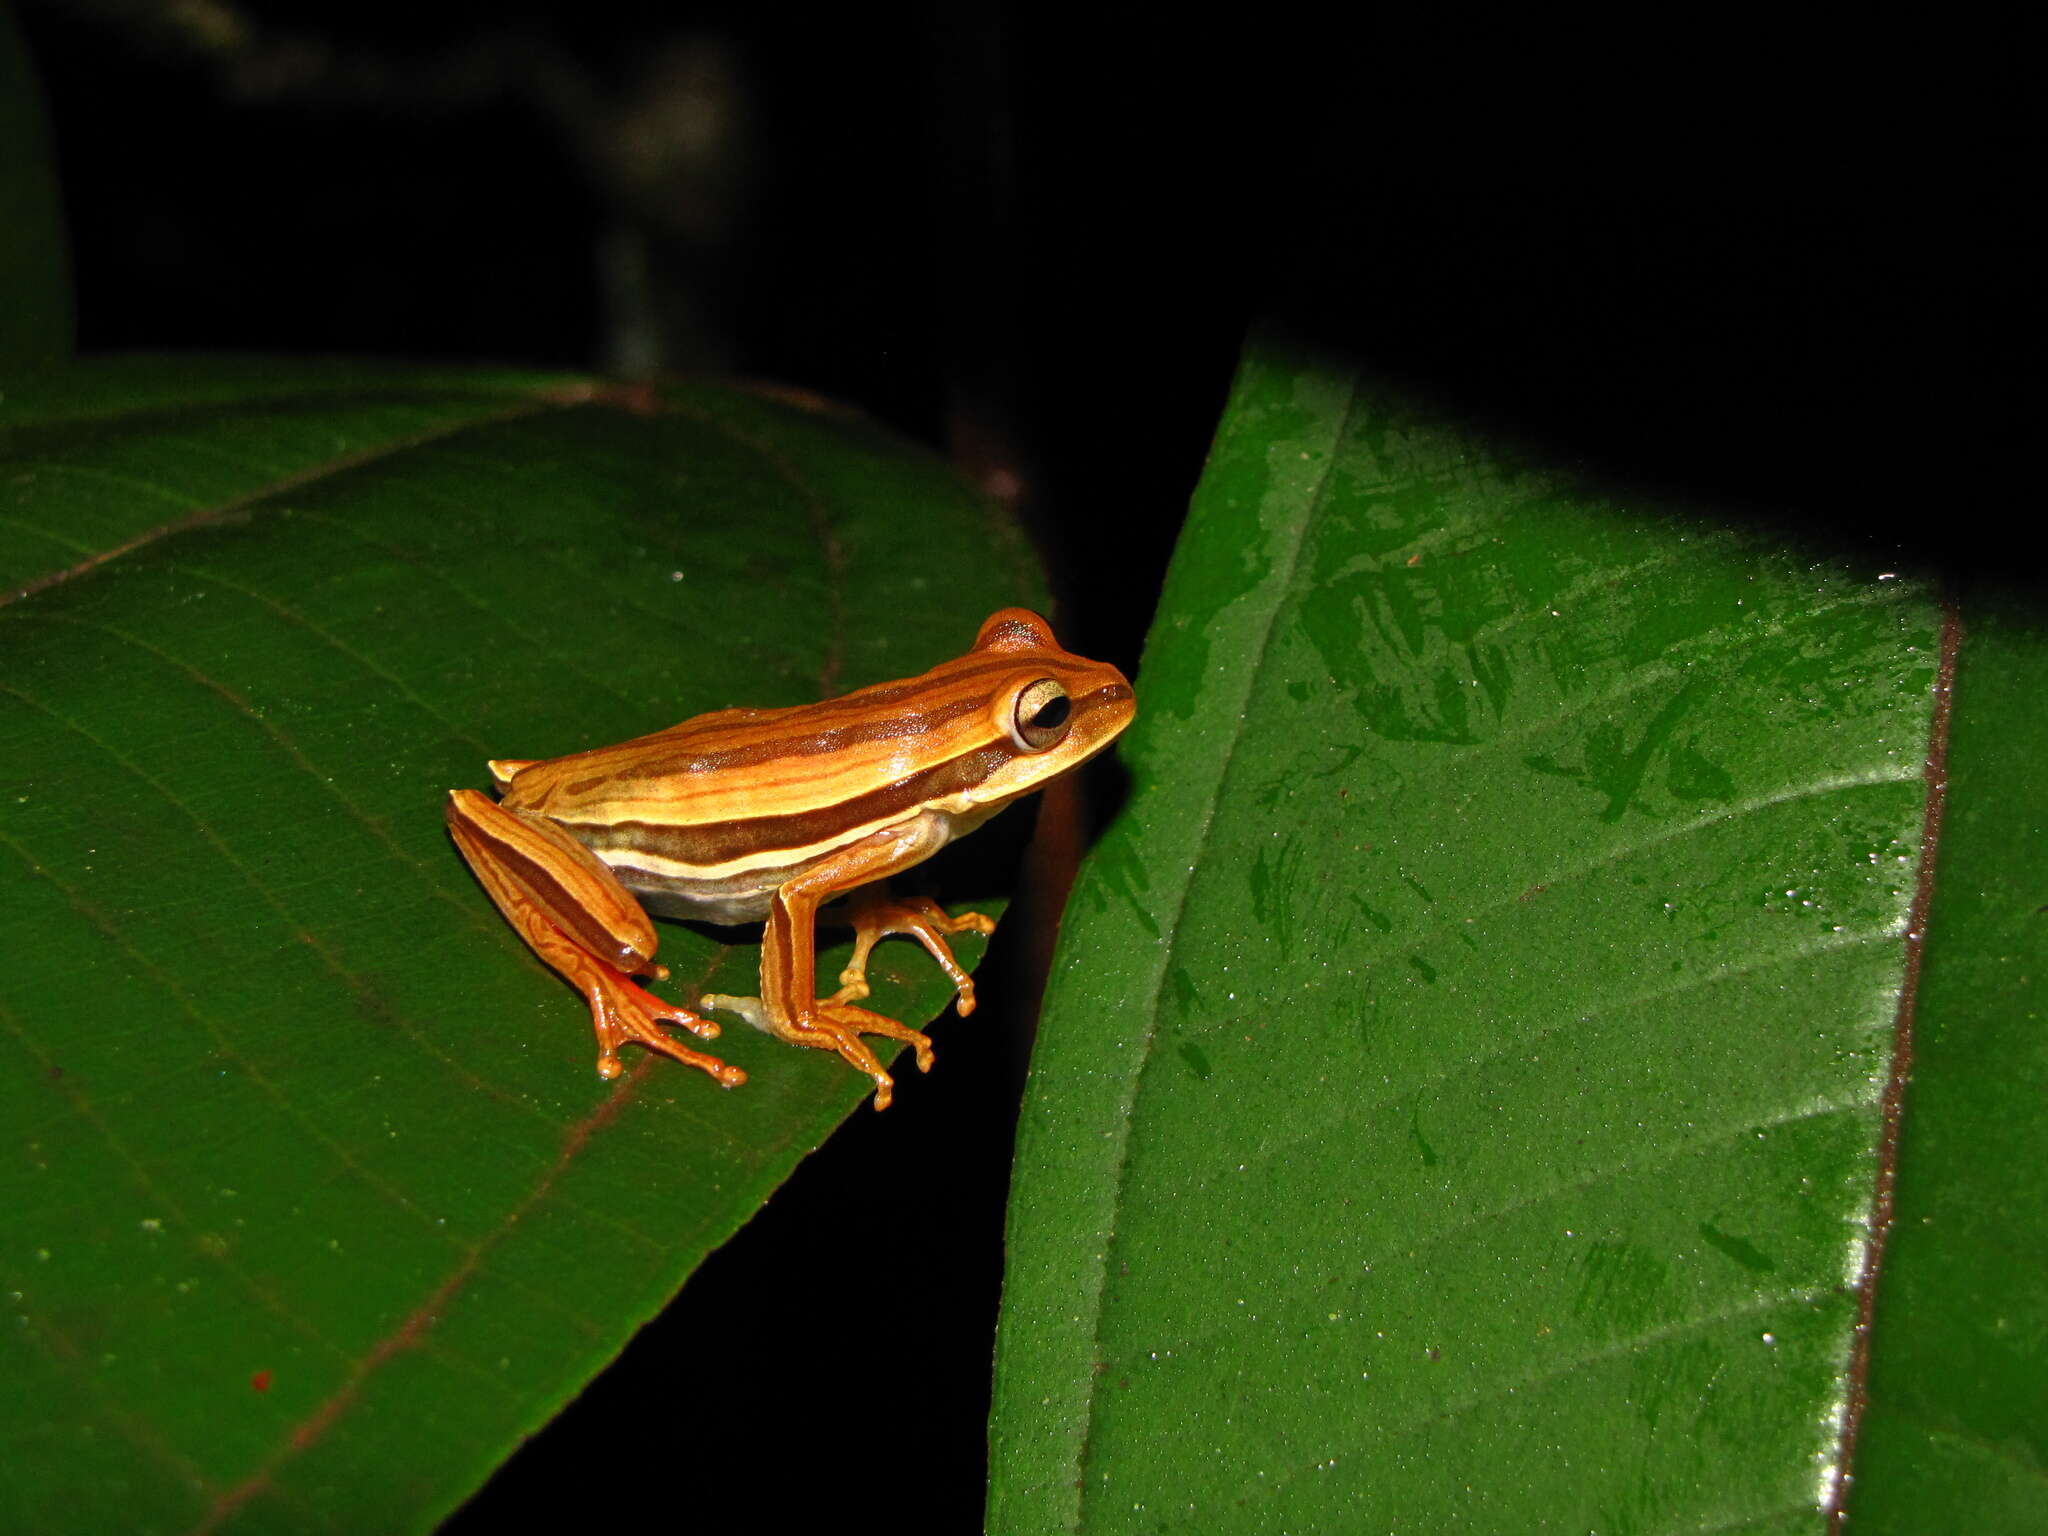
x=1461, y=1095
x=1954, y=1432
x=35, y=280
x=315, y=1203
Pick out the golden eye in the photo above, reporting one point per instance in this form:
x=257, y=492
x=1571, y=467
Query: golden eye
x=1042, y=716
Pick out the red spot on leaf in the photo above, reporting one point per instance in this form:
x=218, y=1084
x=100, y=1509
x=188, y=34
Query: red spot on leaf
x=260, y=1381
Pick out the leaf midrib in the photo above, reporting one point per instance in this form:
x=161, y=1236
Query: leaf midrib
x=1281, y=588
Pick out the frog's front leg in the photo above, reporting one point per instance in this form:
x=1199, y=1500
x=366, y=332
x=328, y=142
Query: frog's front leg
x=876, y=914
x=789, y=1007
x=572, y=911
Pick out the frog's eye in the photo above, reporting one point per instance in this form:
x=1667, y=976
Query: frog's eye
x=1042, y=716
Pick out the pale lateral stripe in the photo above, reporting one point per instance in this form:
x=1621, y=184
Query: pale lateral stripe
x=767, y=858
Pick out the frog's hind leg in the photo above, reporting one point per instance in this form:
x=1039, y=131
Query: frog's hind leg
x=574, y=914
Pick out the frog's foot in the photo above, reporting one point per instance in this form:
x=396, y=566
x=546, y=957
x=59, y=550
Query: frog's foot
x=834, y=1026
x=624, y=1011
x=875, y=915
x=572, y=910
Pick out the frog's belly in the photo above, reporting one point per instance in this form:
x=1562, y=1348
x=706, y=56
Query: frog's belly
x=750, y=906
x=741, y=896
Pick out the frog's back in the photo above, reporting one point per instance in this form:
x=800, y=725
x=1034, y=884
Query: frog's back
x=759, y=790
x=742, y=763
x=744, y=798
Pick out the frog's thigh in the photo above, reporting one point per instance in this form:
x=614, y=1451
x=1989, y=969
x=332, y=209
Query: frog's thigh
x=569, y=883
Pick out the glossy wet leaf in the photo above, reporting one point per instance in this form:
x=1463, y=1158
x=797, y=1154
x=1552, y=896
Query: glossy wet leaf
x=1954, y=1432
x=1458, y=1105
x=315, y=1204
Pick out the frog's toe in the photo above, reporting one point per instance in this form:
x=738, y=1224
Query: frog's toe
x=623, y=1011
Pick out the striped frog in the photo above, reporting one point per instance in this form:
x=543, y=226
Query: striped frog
x=747, y=815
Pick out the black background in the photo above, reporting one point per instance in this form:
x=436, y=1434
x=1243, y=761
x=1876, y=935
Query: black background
x=1752, y=267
